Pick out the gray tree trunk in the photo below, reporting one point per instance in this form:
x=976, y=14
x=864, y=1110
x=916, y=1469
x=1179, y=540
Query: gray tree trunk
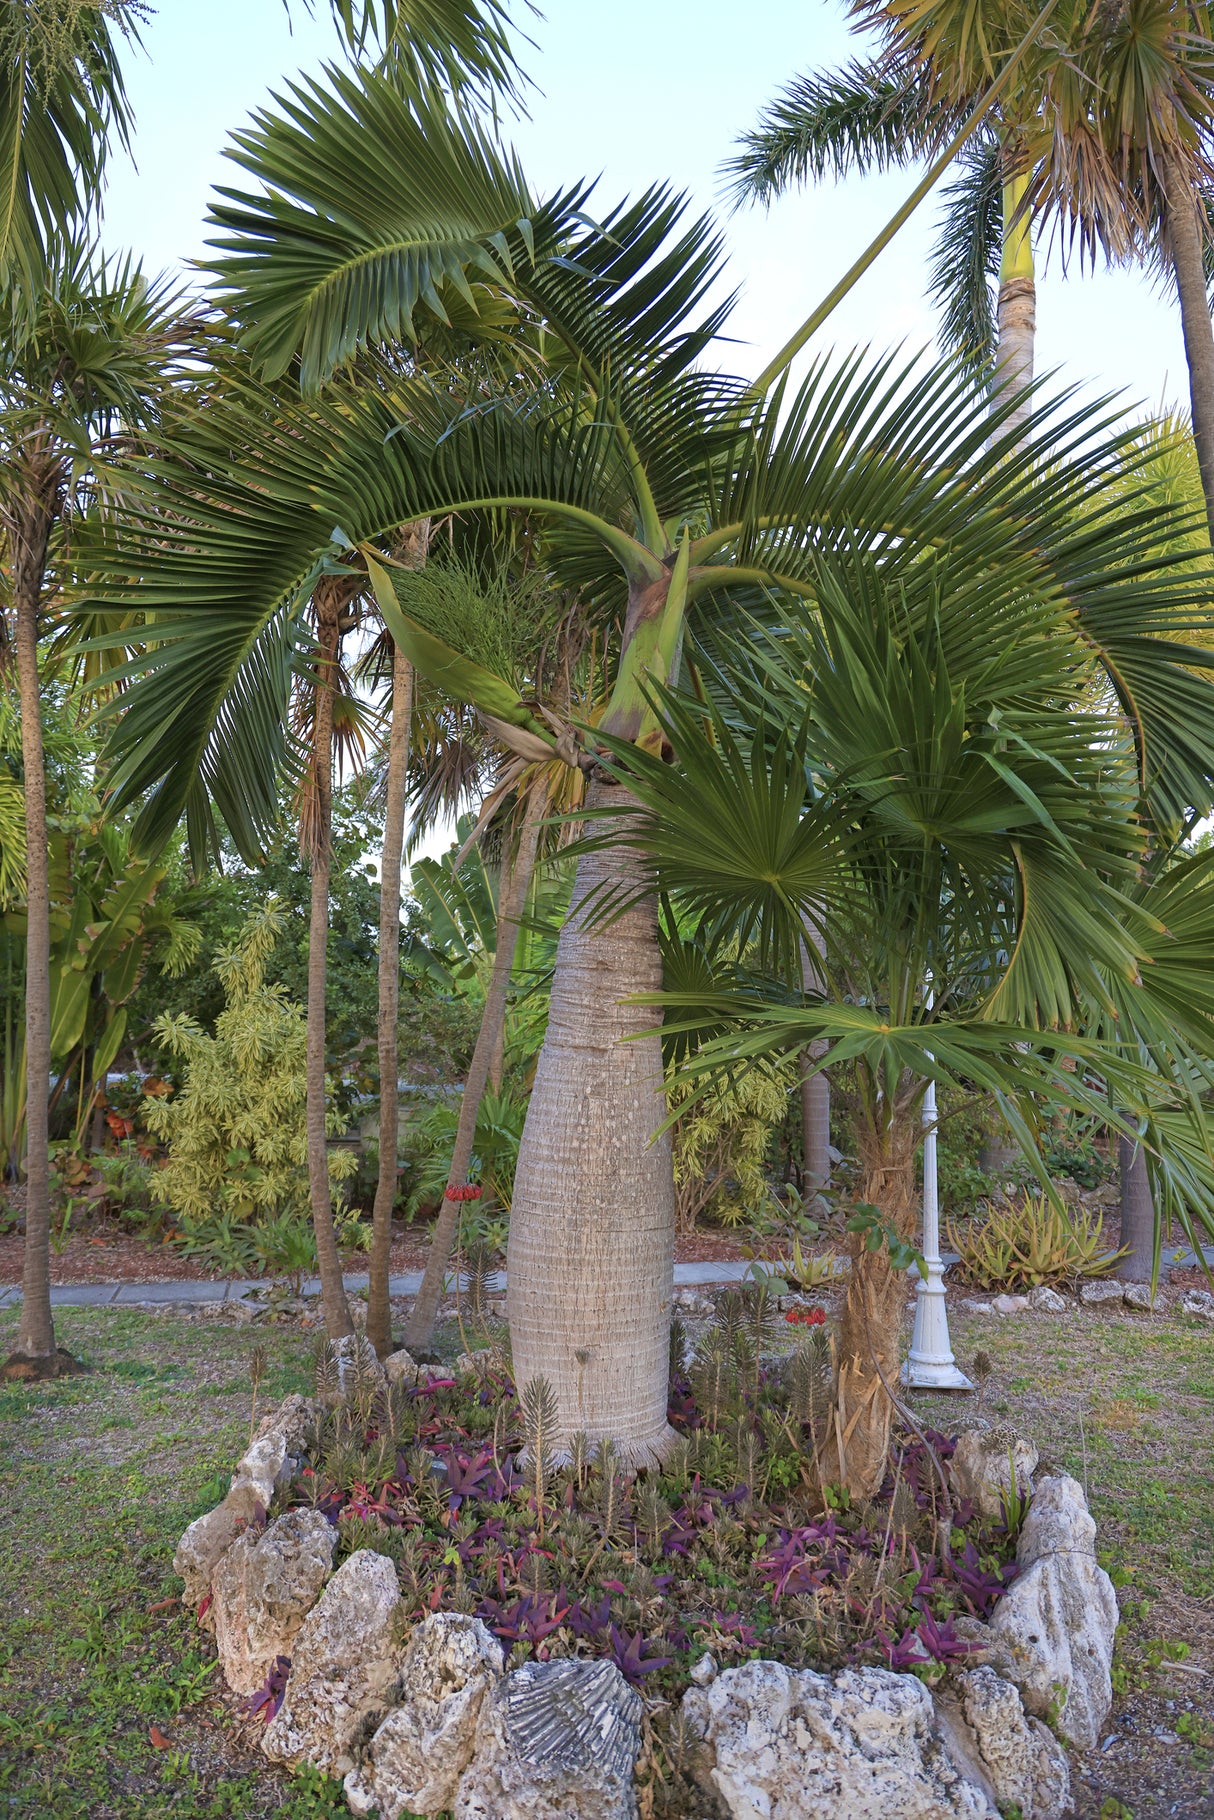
x=512, y=896
x=328, y=1259
x=1184, y=241
x=1137, y=1213
x=379, y=1312
x=591, y=1252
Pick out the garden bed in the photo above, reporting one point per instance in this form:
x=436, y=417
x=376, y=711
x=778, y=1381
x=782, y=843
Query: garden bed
x=103, y=1473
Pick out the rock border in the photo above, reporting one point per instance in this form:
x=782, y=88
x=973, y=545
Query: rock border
x=428, y=1721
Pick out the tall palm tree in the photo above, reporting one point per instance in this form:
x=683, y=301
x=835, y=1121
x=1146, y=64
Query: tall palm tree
x=90, y=357
x=666, y=491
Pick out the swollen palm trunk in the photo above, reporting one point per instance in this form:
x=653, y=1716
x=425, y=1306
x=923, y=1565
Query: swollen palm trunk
x=591, y=1254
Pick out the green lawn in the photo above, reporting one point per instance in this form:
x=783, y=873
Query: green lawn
x=100, y=1474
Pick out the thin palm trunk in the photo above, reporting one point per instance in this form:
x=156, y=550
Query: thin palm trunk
x=1137, y=1213
x=320, y=845
x=379, y=1313
x=1184, y=241
x=590, y=1264
x=511, y=900
x=856, y=1452
x=35, y=1335
x=815, y=1087
x=1017, y=308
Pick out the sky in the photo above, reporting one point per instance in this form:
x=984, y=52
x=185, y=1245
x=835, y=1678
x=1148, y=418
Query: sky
x=635, y=92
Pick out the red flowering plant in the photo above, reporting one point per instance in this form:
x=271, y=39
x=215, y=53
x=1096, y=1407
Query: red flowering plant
x=806, y=1317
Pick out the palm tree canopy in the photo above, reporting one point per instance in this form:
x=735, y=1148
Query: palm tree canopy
x=61, y=96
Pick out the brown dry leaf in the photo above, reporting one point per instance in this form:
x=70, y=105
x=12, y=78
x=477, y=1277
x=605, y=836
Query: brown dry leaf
x=159, y=1741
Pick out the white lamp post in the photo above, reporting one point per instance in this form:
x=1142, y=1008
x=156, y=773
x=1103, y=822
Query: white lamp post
x=930, y=1364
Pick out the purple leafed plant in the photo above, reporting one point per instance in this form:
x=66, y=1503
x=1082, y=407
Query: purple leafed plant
x=268, y=1698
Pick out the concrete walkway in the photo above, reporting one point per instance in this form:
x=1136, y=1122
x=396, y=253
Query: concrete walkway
x=187, y=1294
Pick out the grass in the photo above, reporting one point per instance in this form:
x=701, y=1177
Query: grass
x=100, y=1474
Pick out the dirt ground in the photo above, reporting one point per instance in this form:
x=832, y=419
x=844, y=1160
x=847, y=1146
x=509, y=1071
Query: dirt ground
x=108, y=1709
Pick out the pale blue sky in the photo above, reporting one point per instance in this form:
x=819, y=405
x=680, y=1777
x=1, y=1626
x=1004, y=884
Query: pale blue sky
x=635, y=90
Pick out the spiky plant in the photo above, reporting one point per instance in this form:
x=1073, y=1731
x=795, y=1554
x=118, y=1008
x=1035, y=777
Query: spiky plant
x=653, y=1513
x=714, y=1375
x=678, y=1349
x=538, y=1415
x=581, y=1457
x=810, y=1371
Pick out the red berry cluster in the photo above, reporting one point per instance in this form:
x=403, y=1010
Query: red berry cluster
x=806, y=1317
x=469, y=1192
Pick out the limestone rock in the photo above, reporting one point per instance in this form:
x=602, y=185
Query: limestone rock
x=201, y=1549
x=1010, y=1304
x=401, y=1367
x=1026, y=1765
x=261, y=1470
x=705, y=1670
x=985, y=1463
x=790, y=1744
x=344, y=1668
x=1052, y=1632
x=1091, y=1294
x=1199, y=1302
x=1047, y=1301
x=415, y=1760
x=555, y=1740
x=264, y=1586
x=1138, y=1295
x=294, y=1419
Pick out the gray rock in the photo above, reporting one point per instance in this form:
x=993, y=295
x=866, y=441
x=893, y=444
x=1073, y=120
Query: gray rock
x=401, y=1367
x=556, y=1740
x=1138, y=1295
x=1052, y=1632
x=1010, y=1304
x=344, y=1668
x=415, y=1760
x=1199, y=1302
x=790, y=1744
x=973, y=1306
x=1026, y=1765
x=262, y=1469
x=986, y=1463
x=1047, y=1301
x=264, y=1587
x=705, y=1670
x=1092, y=1294
x=201, y=1549
x=295, y=1419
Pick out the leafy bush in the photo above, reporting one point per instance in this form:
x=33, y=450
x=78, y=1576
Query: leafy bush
x=1074, y=1154
x=1021, y=1244
x=236, y=1131
x=731, y=1545
x=721, y=1145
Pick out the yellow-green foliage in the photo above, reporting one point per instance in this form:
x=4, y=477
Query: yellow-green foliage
x=1022, y=1244
x=721, y=1144
x=236, y=1132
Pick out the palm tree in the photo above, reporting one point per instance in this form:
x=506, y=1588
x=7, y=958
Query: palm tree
x=89, y=358
x=895, y=751
x=664, y=490
x=61, y=98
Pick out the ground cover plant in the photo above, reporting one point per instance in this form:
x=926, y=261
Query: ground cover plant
x=733, y=1545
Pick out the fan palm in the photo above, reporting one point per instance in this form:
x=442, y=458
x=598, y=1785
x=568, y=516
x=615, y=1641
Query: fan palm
x=665, y=491
x=902, y=754
x=89, y=357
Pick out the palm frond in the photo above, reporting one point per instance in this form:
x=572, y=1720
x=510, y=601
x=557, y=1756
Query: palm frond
x=965, y=260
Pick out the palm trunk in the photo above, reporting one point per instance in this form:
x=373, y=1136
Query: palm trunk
x=1184, y=240
x=320, y=844
x=1137, y=1213
x=590, y=1265
x=379, y=1313
x=511, y=899
x=1017, y=310
x=36, y=1334
x=856, y=1454
x=815, y=1088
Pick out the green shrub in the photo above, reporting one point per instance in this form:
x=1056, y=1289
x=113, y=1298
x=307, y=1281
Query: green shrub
x=499, y=1132
x=722, y=1143
x=1019, y=1245
x=236, y=1131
